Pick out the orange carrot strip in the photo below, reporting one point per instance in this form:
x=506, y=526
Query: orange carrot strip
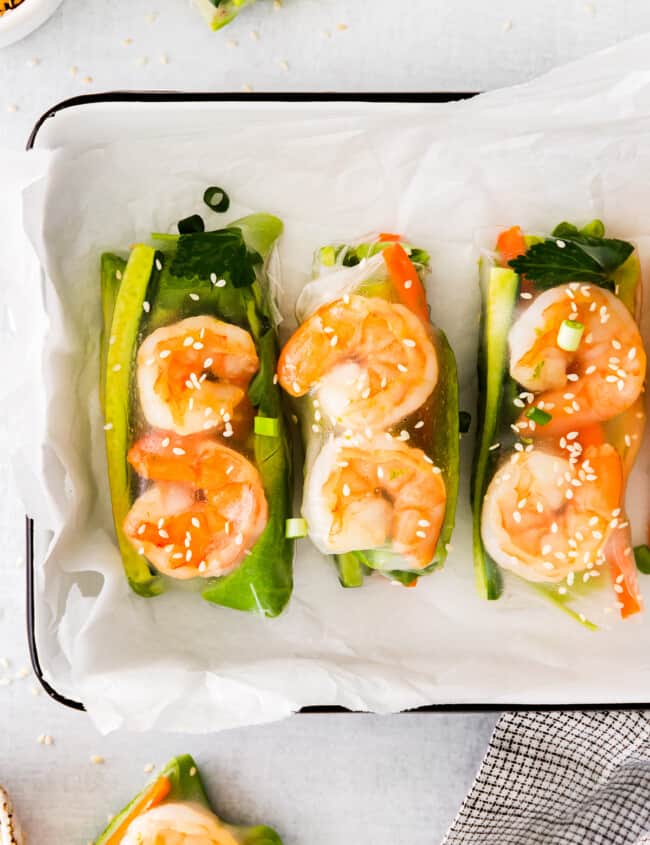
x=406, y=280
x=511, y=244
x=622, y=570
x=149, y=799
x=388, y=236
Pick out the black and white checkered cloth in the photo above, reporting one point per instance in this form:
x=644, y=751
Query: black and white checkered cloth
x=561, y=779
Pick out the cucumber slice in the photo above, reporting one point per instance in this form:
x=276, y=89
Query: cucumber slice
x=125, y=326
x=500, y=287
x=351, y=569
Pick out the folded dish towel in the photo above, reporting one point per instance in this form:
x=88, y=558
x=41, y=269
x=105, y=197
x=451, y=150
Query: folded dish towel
x=561, y=779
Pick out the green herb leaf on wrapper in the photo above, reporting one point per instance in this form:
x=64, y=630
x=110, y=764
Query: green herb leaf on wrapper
x=222, y=253
x=642, y=559
x=573, y=255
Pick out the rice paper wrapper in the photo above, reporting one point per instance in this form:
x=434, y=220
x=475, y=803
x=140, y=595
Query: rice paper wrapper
x=572, y=146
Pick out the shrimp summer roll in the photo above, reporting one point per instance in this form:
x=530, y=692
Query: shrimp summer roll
x=174, y=809
x=218, y=13
x=198, y=462
x=377, y=394
x=561, y=418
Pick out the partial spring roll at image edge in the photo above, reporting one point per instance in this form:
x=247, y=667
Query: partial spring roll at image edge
x=382, y=443
x=175, y=805
x=200, y=286
x=219, y=13
x=561, y=418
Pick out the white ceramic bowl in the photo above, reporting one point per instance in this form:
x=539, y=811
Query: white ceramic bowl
x=19, y=22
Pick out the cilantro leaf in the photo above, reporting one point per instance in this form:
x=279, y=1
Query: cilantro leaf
x=572, y=255
x=223, y=252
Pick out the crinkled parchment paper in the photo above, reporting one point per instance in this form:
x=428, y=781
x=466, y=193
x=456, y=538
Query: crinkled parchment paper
x=573, y=145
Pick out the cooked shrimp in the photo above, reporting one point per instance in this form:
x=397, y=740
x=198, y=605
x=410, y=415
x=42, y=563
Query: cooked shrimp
x=378, y=494
x=178, y=823
x=194, y=373
x=206, y=509
x=371, y=362
x=549, y=514
x=600, y=380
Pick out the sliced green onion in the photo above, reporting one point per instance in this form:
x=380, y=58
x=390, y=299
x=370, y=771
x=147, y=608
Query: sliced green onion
x=216, y=199
x=190, y=225
x=539, y=416
x=267, y=426
x=642, y=558
x=570, y=335
x=464, y=421
x=295, y=526
x=328, y=256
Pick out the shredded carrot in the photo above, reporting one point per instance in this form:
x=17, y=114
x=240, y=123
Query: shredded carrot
x=607, y=465
x=622, y=570
x=150, y=798
x=511, y=244
x=406, y=280
x=388, y=236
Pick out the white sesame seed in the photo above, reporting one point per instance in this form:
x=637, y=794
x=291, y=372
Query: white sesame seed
x=97, y=760
x=178, y=451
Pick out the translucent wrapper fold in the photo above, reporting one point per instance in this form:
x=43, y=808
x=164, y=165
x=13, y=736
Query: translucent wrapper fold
x=196, y=442
x=381, y=442
x=561, y=418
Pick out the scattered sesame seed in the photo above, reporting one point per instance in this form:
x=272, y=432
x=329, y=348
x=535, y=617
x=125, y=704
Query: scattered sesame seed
x=507, y=26
x=342, y=27
x=87, y=80
x=164, y=59
x=146, y=307
x=178, y=451
x=117, y=368
x=97, y=760
x=247, y=88
x=194, y=297
x=254, y=34
x=142, y=60
x=73, y=70
x=232, y=43
x=108, y=426
x=126, y=42
x=33, y=62
x=284, y=65
x=148, y=768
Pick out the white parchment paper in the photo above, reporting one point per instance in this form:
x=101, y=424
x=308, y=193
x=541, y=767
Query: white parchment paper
x=573, y=145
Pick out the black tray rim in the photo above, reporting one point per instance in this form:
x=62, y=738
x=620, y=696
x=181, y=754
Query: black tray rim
x=174, y=96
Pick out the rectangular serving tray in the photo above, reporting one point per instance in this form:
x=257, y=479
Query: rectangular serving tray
x=50, y=131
